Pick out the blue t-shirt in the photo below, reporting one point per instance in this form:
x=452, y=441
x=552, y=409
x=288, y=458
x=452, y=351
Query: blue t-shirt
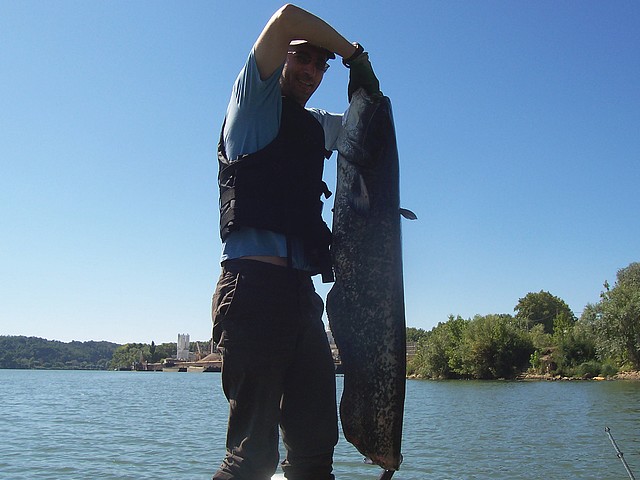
x=252, y=123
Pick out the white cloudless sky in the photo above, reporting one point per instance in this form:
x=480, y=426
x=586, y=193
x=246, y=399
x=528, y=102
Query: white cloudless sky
x=518, y=128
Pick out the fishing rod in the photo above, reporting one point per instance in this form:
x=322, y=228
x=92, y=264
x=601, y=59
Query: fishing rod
x=619, y=454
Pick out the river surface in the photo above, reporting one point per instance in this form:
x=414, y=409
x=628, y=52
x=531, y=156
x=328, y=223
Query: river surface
x=153, y=425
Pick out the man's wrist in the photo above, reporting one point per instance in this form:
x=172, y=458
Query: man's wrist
x=358, y=51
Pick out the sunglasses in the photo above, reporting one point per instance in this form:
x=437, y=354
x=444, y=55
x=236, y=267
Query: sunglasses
x=303, y=58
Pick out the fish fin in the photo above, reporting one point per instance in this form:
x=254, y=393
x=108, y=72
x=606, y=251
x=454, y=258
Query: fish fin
x=359, y=198
x=386, y=475
x=408, y=214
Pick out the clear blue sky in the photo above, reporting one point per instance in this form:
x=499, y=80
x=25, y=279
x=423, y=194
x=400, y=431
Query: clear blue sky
x=518, y=126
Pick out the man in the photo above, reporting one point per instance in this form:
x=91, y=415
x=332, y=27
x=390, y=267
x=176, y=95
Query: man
x=277, y=366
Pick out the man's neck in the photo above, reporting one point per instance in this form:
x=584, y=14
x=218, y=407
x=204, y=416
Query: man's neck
x=294, y=101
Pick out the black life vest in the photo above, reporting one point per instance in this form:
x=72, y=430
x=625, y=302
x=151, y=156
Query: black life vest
x=278, y=188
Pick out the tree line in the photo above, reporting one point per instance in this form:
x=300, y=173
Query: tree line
x=20, y=352
x=542, y=337
x=33, y=352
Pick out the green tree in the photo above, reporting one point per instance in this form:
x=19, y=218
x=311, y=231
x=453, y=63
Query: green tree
x=590, y=323
x=619, y=322
x=541, y=341
x=166, y=350
x=436, y=352
x=575, y=345
x=152, y=352
x=562, y=326
x=415, y=334
x=493, y=346
x=129, y=355
x=629, y=275
x=542, y=308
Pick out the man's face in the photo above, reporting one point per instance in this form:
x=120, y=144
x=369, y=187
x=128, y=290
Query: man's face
x=302, y=73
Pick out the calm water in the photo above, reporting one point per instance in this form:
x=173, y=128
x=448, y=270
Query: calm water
x=130, y=425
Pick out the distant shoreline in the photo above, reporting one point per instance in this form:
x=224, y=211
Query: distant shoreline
x=631, y=375
x=628, y=376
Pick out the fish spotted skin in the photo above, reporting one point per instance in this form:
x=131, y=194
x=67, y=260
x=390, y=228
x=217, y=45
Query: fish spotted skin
x=365, y=306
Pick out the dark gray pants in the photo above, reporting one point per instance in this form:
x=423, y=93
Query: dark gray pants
x=277, y=371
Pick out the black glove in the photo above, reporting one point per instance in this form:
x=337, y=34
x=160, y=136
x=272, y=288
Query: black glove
x=361, y=74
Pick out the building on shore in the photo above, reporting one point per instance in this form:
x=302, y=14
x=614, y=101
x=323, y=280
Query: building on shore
x=183, y=346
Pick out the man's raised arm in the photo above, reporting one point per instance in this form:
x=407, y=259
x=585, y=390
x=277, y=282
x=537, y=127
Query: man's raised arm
x=293, y=23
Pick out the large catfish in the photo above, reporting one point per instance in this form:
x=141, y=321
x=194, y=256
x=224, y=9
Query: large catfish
x=365, y=306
